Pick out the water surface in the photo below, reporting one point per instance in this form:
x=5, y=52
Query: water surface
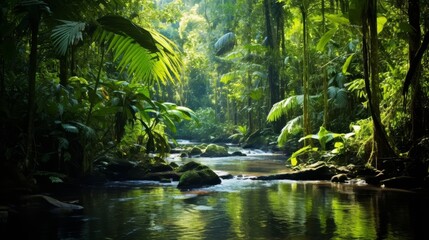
x=239, y=208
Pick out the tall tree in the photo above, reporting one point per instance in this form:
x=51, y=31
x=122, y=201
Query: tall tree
x=305, y=73
x=414, y=36
x=325, y=77
x=273, y=54
x=33, y=11
x=365, y=13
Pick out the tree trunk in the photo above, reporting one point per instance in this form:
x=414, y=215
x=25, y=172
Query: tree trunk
x=381, y=148
x=325, y=76
x=63, y=70
x=306, y=114
x=273, y=58
x=32, y=69
x=248, y=39
x=417, y=125
x=93, y=93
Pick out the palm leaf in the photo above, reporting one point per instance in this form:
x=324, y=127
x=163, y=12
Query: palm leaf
x=124, y=27
x=227, y=77
x=147, y=54
x=294, y=126
x=67, y=34
x=69, y=128
x=347, y=63
x=325, y=39
x=225, y=43
x=161, y=66
x=284, y=107
x=338, y=96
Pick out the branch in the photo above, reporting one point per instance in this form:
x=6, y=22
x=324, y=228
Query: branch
x=415, y=64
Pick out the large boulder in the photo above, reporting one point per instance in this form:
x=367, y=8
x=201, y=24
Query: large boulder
x=213, y=150
x=196, y=175
x=195, y=151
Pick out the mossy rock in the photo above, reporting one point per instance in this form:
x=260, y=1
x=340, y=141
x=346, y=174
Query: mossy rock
x=188, y=166
x=160, y=167
x=195, y=151
x=213, y=150
x=174, y=165
x=200, y=177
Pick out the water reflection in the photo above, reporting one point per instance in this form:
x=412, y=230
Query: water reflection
x=260, y=210
x=237, y=209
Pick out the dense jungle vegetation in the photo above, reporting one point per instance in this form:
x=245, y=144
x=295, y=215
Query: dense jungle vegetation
x=344, y=80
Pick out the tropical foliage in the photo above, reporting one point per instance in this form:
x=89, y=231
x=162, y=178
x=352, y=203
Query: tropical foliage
x=82, y=78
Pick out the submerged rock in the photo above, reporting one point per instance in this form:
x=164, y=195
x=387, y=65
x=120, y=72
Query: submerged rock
x=238, y=153
x=42, y=203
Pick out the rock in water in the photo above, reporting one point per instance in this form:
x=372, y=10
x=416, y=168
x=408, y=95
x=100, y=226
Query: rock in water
x=197, y=175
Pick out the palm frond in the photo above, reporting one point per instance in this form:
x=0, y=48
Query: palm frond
x=149, y=55
x=122, y=26
x=146, y=53
x=67, y=34
x=294, y=126
x=284, y=107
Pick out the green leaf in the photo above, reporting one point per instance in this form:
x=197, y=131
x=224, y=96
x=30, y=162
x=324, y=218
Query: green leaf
x=69, y=128
x=405, y=27
x=338, y=96
x=293, y=161
x=337, y=19
x=284, y=106
x=381, y=21
x=225, y=43
x=124, y=27
x=256, y=94
x=325, y=39
x=293, y=158
x=324, y=137
x=338, y=144
x=228, y=77
x=145, y=53
x=67, y=34
x=347, y=63
x=292, y=127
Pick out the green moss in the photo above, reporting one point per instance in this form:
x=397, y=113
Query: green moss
x=198, y=177
x=213, y=150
